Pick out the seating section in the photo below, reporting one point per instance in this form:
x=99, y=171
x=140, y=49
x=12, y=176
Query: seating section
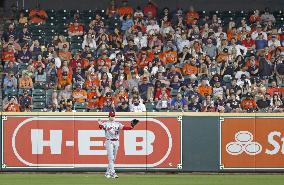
x=182, y=71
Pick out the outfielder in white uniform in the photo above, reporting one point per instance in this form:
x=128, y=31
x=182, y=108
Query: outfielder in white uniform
x=112, y=129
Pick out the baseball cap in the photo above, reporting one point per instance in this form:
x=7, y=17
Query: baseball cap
x=111, y=114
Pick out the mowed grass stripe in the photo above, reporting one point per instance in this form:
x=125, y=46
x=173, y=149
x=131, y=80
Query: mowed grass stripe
x=141, y=179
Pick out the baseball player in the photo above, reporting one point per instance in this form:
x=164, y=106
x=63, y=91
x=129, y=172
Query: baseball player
x=112, y=129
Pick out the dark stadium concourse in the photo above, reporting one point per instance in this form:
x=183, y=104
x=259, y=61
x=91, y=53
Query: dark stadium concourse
x=199, y=4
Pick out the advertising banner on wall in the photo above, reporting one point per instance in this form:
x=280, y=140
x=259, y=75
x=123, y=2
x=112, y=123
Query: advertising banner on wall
x=77, y=142
x=252, y=143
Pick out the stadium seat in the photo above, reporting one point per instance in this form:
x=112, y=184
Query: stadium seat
x=38, y=98
x=21, y=92
x=38, y=105
x=150, y=106
x=38, y=92
x=78, y=105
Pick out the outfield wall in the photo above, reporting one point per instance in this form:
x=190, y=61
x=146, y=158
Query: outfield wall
x=183, y=142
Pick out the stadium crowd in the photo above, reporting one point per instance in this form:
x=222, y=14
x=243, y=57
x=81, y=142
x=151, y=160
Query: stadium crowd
x=128, y=59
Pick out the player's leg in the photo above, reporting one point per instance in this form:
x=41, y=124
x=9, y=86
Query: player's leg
x=115, y=149
x=110, y=155
x=109, y=148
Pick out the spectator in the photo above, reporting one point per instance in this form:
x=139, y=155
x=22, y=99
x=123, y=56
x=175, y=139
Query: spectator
x=280, y=71
x=204, y=88
x=24, y=56
x=25, y=36
x=248, y=104
x=25, y=82
x=255, y=17
x=267, y=17
x=89, y=40
x=11, y=105
x=37, y=16
x=10, y=32
x=179, y=103
x=79, y=94
x=23, y=19
x=75, y=29
x=125, y=9
x=210, y=49
x=64, y=81
x=25, y=102
x=194, y=106
x=233, y=104
x=40, y=75
x=10, y=83
x=122, y=105
x=208, y=105
x=150, y=9
x=137, y=106
x=263, y=104
x=191, y=16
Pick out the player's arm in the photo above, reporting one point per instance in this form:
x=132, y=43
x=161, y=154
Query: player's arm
x=127, y=128
x=134, y=122
x=101, y=125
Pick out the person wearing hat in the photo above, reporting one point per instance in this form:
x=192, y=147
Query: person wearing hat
x=112, y=130
x=64, y=81
x=25, y=102
x=122, y=105
x=65, y=54
x=75, y=29
x=274, y=42
x=248, y=104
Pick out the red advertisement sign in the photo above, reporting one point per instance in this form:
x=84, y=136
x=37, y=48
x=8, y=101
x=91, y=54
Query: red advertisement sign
x=252, y=143
x=71, y=142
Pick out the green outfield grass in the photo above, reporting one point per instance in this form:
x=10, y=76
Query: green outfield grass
x=141, y=179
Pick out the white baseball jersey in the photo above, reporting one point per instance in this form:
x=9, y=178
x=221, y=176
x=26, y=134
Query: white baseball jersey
x=112, y=129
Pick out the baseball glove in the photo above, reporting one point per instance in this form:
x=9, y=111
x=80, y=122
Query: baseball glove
x=134, y=122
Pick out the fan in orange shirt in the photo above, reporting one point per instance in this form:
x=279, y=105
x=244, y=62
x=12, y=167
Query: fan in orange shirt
x=79, y=94
x=248, y=103
x=75, y=29
x=92, y=81
x=121, y=93
x=191, y=15
x=64, y=81
x=170, y=56
x=38, y=16
x=125, y=9
x=143, y=60
x=190, y=68
x=65, y=54
x=204, y=89
x=93, y=97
